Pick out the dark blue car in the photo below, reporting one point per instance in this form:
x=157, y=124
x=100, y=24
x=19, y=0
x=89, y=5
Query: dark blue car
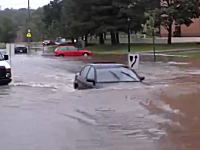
x=98, y=74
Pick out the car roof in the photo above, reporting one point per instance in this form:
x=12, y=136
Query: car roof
x=106, y=65
x=66, y=45
x=20, y=47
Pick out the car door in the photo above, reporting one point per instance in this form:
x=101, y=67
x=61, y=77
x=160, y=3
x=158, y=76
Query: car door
x=62, y=51
x=73, y=51
x=67, y=51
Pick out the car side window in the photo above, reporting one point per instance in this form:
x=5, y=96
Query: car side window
x=84, y=72
x=72, y=48
x=62, y=49
x=91, y=74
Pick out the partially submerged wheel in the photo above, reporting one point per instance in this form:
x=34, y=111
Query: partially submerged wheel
x=85, y=54
x=75, y=85
x=61, y=55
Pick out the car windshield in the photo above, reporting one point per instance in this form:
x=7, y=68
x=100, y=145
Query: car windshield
x=116, y=74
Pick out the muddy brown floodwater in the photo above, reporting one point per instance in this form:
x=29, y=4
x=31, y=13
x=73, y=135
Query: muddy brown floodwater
x=40, y=110
x=183, y=94
x=179, y=102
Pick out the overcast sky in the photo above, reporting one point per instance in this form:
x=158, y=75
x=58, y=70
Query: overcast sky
x=22, y=3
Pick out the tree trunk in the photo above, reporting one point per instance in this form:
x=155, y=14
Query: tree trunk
x=72, y=40
x=101, y=39
x=117, y=38
x=113, y=38
x=170, y=34
x=86, y=40
x=105, y=36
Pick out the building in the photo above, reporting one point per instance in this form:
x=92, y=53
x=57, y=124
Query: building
x=183, y=31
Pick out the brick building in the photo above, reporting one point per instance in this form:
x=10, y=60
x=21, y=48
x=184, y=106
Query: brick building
x=183, y=31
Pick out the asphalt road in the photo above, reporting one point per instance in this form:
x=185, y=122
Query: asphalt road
x=40, y=110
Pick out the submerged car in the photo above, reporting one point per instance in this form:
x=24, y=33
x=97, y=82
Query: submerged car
x=71, y=51
x=98, y=74
x=5, y=70
x=21, y=50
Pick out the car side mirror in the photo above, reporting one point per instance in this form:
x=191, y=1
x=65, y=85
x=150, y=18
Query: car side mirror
x=142, y=78
x=6, y=57
x=92, y=81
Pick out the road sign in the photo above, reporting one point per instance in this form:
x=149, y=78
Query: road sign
x=133, y=60
x=29, y=35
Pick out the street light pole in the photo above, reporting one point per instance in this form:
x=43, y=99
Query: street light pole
x=153, y=36
x=129, y=25
x=129, y=36
x=154, y=47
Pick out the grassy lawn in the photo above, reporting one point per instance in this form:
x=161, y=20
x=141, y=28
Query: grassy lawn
x=123, y=48
x=196, y=55
x=193, y=55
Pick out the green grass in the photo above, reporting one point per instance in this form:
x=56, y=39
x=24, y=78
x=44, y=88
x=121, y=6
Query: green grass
x=123, y=48
x=197, y=55
x=193, y=55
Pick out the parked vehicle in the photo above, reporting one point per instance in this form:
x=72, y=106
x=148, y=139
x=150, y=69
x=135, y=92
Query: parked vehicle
x=5, y=70
x=98, y=75
x=60, y=40
x=21, y=50
x=48, y=42
x=71, y=51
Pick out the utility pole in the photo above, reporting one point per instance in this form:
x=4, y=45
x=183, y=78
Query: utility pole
x=29, y=21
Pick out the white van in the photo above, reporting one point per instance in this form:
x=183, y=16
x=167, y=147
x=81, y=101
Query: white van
x=5, y=70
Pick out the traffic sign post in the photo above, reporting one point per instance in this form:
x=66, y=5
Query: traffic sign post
x=29, y=35
x=133, y=60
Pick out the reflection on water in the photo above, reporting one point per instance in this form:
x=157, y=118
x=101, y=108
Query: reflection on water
x=4, y=90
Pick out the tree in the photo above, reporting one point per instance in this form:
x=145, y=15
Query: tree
x=101, y=16
x=52, y=18
x=177, y=12
x=77, y=18
x=7, y=31
x=37, y=25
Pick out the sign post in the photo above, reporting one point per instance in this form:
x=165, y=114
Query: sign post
x=133, y=60
x=29, y=35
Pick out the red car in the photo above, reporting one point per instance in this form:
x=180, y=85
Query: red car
x=48, y=42
x=71, y=51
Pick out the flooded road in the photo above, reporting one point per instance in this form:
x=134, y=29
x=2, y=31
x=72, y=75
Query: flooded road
x=40, y=110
